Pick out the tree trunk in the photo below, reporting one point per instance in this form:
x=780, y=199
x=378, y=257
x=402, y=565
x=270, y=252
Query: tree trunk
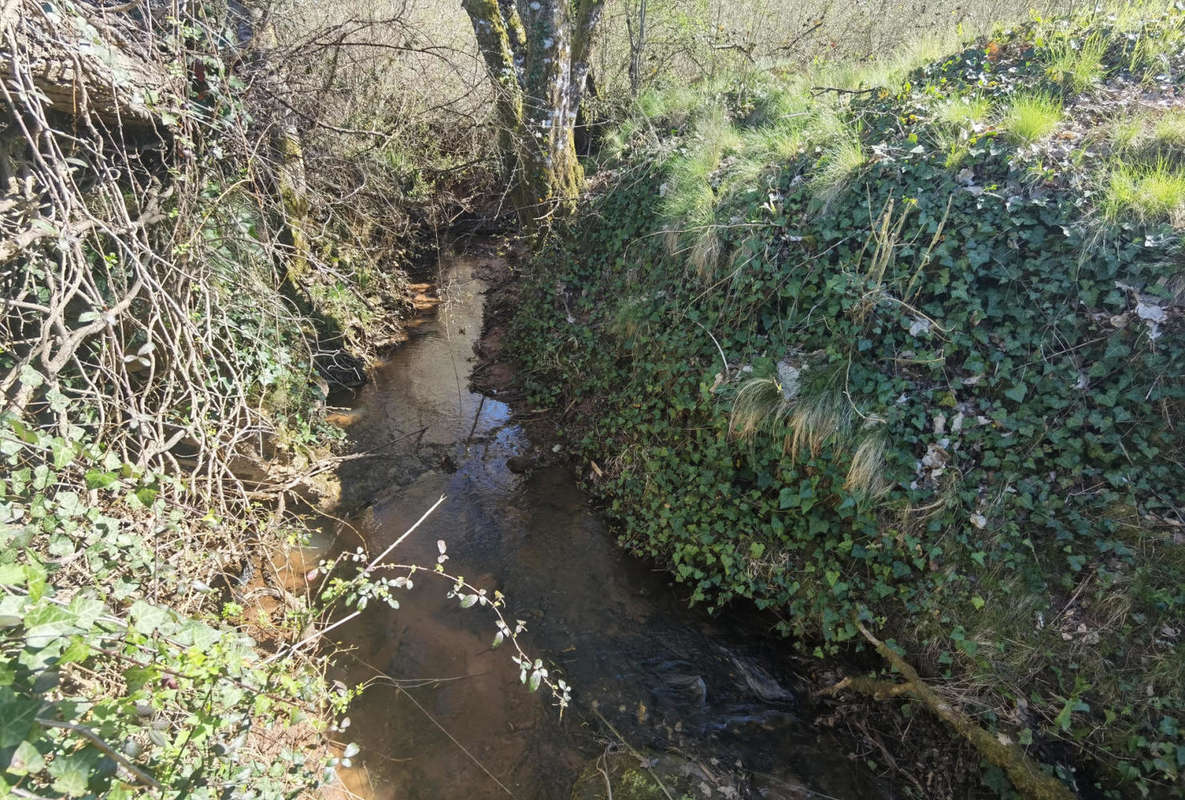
x=637, y=46
x=537, y=56
x=284, y=172
x=294, y=201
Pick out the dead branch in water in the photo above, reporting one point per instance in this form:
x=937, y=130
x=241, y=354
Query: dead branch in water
x=1024, y=772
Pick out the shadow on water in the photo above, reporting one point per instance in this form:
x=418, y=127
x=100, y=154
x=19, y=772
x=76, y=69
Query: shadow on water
x=446, y=715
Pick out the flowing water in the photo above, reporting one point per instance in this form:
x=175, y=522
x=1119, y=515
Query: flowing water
x=704, y=700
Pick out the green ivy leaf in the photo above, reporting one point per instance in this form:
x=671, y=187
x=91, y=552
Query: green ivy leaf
x=30, y=377
x=99, y=479
x=71, y=771
x=12, y=575
x=47, y=623
x=1017, y=393
x=17, y=714
x=26, y=759
x=147, y=618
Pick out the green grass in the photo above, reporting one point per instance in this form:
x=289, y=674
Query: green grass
x=690, y=201
x=961, y=112
x=1148, y=193
x=776, y=102
x=1168, y=131
x=953, y=117
x=672, y=107
x=1148, y=139
x=779, y=143
x=1032, y=117
x=616, y=141
x=1076, y=65
x=890, y=68
x=955, y=148
x=762, y=152
x=1155, y=43
x=776, y=122
x=1125, y=134
x=842, y=158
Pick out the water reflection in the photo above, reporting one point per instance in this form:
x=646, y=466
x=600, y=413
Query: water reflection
x=446, y=714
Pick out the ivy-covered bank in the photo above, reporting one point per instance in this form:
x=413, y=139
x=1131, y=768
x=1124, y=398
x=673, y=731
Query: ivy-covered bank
x=123, y=671
x=902, y=347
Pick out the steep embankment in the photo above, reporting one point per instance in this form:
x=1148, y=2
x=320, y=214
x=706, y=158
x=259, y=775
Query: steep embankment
x=909, y=356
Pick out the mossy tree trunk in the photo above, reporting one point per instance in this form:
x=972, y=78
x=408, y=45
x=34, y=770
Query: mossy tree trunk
x=537, y=52
x=294, y=199
x=284, y=172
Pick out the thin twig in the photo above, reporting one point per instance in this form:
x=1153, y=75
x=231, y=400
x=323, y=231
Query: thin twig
x=86, y=733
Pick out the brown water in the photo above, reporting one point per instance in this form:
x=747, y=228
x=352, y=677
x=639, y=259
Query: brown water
x=446, y=716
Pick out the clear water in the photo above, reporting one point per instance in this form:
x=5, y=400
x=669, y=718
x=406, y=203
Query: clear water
x=446, y=716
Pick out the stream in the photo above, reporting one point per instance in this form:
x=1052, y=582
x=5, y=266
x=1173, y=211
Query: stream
x=661, y=692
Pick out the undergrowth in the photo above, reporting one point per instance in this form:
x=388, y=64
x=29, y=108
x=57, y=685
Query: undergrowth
x=930, y=378
x=180, y=290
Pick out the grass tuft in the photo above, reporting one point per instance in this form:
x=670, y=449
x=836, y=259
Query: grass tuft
x=1032, y=117
x=953, y=117
x=1076, y=65
x=1168, y=132
x=1149, y=140
x=690, y=201
x=780, y=143
x=962, y=112
x=760, y=405
x=866, y=474
x=1148, y=193
x=672, y=107
x=817, y=419
x=811, y=420
x=842, y=158
x=1125, y=134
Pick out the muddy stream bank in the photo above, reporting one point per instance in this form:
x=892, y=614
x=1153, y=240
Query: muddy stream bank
x=705, y=706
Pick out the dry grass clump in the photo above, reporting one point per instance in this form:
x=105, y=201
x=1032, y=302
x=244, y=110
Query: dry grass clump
x=810, y=422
